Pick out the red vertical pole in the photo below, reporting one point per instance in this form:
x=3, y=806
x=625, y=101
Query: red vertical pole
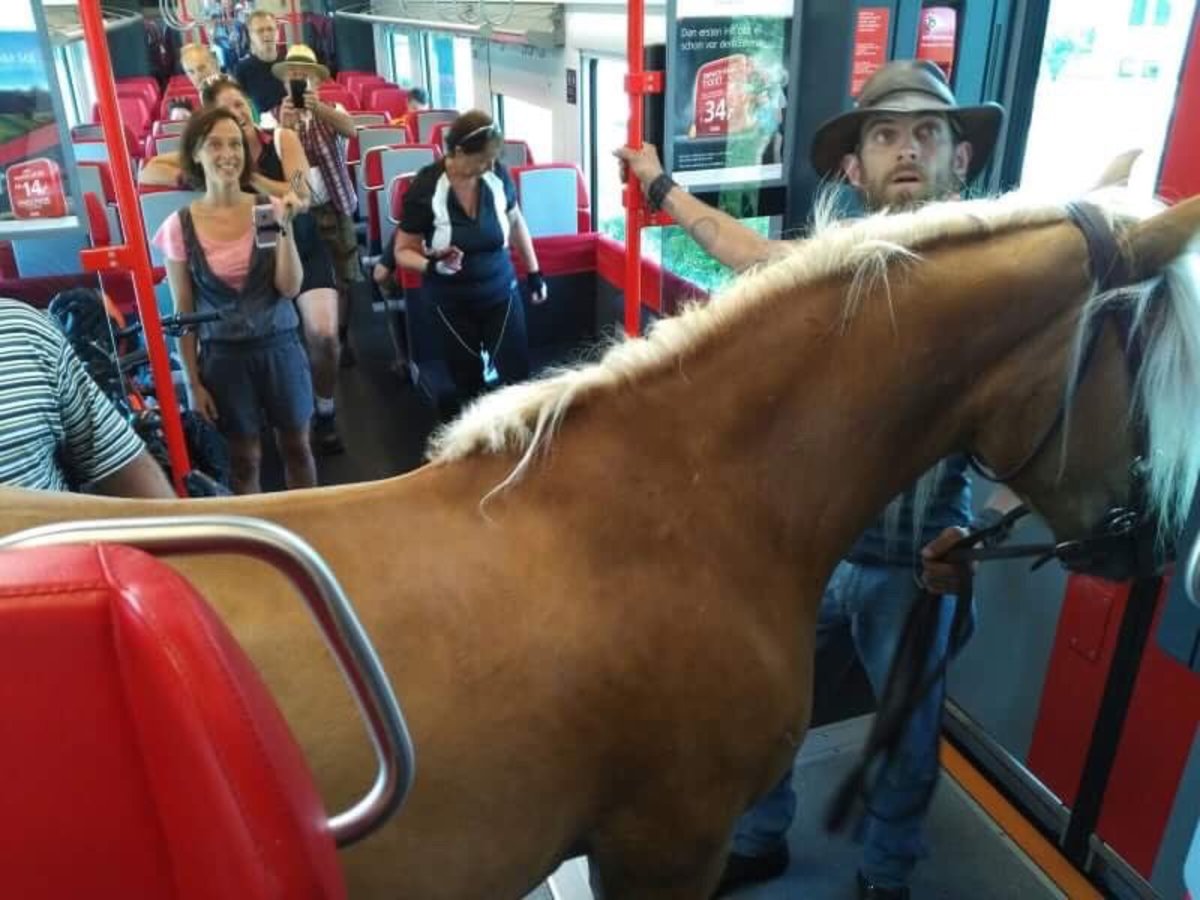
x=634, y=208
x=134, y=255
x=297, y=25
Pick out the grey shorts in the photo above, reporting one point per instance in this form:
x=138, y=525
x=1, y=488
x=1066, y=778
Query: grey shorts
x=262, y=379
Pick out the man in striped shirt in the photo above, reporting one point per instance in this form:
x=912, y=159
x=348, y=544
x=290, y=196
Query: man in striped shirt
x=57, y=429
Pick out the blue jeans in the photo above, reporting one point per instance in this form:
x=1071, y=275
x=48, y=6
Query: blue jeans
x=873, y=603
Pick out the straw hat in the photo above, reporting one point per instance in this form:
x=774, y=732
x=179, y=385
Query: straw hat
x=299, y=56
x=907, y=87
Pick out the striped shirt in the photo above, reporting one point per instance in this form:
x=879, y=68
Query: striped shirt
x=57, y=429
x=323, y=148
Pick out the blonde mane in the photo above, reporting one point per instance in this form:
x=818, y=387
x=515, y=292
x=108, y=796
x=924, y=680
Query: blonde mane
x=524, y=418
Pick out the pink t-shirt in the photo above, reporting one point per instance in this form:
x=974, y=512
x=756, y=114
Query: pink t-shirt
x=229, y=260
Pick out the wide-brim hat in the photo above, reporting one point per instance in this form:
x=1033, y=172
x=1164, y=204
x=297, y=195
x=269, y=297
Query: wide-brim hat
x=299, y=56
x=907, y=87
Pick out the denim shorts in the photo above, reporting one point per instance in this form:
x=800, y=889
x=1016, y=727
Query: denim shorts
x=262, y=379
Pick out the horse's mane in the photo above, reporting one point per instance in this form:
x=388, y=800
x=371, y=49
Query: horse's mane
x=523, y=418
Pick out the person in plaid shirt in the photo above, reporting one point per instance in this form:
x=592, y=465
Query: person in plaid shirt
x=334, y=200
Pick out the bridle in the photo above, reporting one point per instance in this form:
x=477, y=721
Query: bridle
x=1124, y=544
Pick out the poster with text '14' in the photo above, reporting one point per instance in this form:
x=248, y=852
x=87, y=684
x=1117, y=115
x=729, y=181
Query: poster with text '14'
x=727, y=93
x=32, y=182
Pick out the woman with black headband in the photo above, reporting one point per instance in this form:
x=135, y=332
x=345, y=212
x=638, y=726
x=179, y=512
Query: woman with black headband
x=460, y=214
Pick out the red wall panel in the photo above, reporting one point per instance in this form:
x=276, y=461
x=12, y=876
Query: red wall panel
x=1159, y=728
x=1180, y=175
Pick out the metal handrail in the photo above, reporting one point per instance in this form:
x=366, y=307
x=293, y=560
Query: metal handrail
x=70, y=32
x=328, y=604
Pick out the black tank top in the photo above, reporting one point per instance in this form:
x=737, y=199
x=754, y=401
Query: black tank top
x=269, y=164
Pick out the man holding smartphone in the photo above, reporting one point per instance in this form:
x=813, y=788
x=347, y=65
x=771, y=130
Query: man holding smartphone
x=334, y=200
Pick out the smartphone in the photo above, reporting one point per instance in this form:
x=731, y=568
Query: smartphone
x=266, y=229
x=298, y=87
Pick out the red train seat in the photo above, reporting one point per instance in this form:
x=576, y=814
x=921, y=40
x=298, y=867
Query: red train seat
x=145, y=757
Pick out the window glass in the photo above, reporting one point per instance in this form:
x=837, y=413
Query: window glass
x=1112, y=57
x=530, y=123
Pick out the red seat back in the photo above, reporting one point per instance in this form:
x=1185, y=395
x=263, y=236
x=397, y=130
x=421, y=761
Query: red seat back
x=143, y=91
x=345, y=74
x=146, y=82
x=145, y=756
x=135, y=114
x=356, y=84
x=399, y=189
x=385, y=98
x=97, y=220
x=106, y=182
x=438, y=134
x=335, y=93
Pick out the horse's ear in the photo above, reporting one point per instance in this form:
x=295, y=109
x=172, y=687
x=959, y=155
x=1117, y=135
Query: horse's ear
x=1116, y=173
x=1154, y=243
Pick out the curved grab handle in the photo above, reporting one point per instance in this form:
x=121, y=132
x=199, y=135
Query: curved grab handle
x=343, y=633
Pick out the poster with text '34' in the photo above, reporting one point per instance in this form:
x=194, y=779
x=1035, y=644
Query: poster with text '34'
x=727, y=92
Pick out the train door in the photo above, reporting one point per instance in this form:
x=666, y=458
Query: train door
x=1084, y=84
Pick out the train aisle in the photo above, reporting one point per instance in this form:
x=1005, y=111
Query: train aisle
x=970, y=856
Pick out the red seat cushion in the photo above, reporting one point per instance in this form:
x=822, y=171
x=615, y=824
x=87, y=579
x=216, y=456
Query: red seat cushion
x=145, y=757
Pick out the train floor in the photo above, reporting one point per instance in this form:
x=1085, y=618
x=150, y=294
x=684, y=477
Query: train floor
x=970, y=857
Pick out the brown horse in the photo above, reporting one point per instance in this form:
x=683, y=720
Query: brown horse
x=612, y=653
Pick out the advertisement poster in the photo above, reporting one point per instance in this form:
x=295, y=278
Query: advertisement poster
x=937, y=38
x=32, y=179
x=870, y=45
x=728, y=94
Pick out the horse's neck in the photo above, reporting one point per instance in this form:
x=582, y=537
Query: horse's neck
x=816, y=423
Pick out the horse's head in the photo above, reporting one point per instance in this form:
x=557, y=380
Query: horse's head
x=1108, y=395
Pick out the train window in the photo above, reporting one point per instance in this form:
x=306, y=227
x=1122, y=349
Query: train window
x=79, y=86
x=1123, y=58
x=402, y=59
x=528, y=122
x=451, y=71
x=676, y=252
x=609, y=128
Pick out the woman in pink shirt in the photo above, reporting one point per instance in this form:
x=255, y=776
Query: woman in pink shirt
x=249, y=366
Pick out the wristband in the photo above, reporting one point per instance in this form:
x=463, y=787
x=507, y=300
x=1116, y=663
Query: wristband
x=535, y=282
x=656, y=194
